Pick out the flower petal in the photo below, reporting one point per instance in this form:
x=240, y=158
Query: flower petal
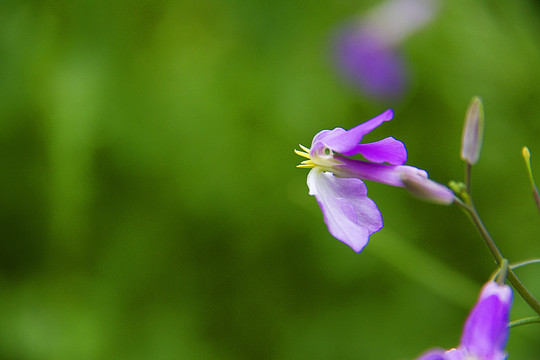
x=387, y=150
x=382, y=173
x=486, y=332
x=351, y=217
x=345, y=141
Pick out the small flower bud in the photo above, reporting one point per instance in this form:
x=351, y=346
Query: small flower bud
x=427, y=189
x=457, y=187
x=527, y=157
x=473, y=132
x=460, y=189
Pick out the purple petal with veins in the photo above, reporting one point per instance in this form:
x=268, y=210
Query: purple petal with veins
x=345, y=141
x=387, y=150
x=351, y=217
x=486, y=332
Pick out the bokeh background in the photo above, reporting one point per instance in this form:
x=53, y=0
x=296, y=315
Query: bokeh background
x=151, y=209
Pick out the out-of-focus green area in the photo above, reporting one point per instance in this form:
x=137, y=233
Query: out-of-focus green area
x=150, y=204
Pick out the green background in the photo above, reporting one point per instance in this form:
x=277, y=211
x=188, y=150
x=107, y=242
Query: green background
x=151, y=208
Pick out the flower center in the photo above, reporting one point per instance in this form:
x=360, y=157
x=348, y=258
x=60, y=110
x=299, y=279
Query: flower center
x=322, y=158
x=308, y=164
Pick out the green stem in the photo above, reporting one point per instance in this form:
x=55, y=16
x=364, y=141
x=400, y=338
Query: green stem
x=515, y=266
x=536, y=197
x=468, y=168
x=497, y=255
x=527, y=157
x=524, y=321
x=526, y=262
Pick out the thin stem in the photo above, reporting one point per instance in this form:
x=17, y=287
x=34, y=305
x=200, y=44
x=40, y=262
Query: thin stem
x=526, y=262
x=488, y=240
x=515, y=266
x=475, y=218
x=527, y=157
x=524, y=321
x=468, y=168
x=536, y=197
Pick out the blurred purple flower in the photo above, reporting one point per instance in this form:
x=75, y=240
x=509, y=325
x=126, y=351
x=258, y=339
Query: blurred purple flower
x=367, y=51
x=335, y=180
x=376, y=69
x=486, y=330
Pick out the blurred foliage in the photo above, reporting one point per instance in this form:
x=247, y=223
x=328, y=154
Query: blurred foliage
x=150, y=204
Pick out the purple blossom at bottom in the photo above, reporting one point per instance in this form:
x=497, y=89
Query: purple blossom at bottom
x=486, y=330
x=336, y=180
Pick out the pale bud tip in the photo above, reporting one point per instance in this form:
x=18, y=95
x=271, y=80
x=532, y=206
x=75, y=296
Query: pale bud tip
x=527, y=157
x=526, y=153
x=473, y=132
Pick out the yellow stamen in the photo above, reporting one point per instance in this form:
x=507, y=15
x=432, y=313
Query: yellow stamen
x=304, y=148
x=306, y=164
x=301, y=153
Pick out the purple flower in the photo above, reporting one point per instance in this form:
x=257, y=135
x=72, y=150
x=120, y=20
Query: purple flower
x=367, y=50
x=486, y=330
x=335, y=180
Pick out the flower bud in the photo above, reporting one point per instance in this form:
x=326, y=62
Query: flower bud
x=427, y=189
x=527, y=157
x=473, y=132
